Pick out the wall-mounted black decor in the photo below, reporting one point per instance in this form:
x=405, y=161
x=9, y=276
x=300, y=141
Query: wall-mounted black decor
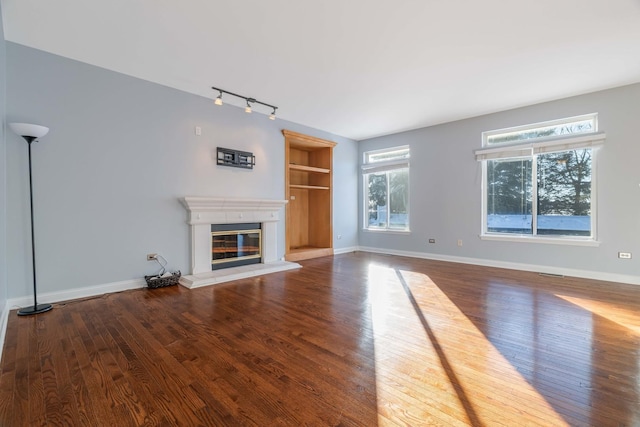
x=235, y=158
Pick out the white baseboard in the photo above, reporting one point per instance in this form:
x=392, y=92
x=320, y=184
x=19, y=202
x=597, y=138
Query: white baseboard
x=345, y=250
x=70, y=294
x=4, y=319
x=584, y=274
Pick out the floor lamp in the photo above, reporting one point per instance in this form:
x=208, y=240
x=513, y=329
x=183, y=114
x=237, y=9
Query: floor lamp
x=30, y=133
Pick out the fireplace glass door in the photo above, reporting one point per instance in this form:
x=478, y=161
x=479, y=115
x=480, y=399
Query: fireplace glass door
x=234, y=247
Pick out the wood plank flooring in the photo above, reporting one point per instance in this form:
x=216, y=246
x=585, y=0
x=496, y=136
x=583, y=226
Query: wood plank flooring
x=352, y=340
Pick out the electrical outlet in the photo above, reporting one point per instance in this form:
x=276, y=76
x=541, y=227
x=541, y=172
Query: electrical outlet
x=339, y=236
x=152, y=257
x=624, y=255
x=198, y=131
x=432, y=240
x=459, y=242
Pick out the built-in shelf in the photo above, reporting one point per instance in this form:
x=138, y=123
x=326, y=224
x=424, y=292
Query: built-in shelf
x=306, y=168
x=308, y=187
x=308, y=181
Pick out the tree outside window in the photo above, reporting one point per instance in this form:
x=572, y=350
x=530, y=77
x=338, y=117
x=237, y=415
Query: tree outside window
x=538, y=178
x=388, y=199
x=563, y=194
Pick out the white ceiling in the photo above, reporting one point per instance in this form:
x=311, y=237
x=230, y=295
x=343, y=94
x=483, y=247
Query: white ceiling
x=356, y=68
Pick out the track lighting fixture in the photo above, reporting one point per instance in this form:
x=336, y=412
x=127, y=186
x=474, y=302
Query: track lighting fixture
x=248, y=108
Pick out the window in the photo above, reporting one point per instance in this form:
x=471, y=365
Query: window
x=538, y=180
x=386, y=189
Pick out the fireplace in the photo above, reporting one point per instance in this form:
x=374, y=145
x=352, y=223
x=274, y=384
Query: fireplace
x=262, y=214
x=233, y=245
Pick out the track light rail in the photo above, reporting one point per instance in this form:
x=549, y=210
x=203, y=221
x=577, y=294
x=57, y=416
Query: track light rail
x=249, y=101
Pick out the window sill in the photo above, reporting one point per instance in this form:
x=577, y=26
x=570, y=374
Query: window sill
x=570, y=241
x=386, y=231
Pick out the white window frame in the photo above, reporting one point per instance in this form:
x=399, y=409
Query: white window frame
x=551, y=123
x=529, y=149
x=369, y=166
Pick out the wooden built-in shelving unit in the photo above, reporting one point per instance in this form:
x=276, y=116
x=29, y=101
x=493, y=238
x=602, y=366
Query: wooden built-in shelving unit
x=308, y=181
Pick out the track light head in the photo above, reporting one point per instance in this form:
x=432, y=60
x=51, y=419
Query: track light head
x=272, y=116
x=247, y=109
x=218, y=100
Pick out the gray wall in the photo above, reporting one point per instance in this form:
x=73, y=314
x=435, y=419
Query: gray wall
x=445, y=192
x=3, y=170
x=119, y=155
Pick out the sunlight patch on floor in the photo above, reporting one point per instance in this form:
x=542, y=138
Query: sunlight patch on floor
x=425, y=373
x=622, y=317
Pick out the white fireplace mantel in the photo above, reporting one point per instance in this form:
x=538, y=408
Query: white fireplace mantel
x=208, y=210
x=204, y=211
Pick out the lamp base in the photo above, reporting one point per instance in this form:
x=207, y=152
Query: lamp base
x=34, y=309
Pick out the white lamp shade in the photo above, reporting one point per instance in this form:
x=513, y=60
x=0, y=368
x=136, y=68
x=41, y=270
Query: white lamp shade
x=27, y=129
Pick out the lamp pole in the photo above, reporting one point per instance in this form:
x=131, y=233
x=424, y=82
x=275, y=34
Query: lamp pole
x=30, y=133
x=42, y=307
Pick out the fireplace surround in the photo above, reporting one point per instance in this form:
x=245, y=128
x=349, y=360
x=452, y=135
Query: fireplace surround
x=205, y=211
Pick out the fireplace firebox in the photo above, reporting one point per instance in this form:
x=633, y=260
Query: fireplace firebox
x=233, y=245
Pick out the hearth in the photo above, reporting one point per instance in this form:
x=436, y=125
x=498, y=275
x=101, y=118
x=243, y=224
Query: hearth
x=233, y=245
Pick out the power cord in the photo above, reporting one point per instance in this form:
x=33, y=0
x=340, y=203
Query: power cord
x=162, y=263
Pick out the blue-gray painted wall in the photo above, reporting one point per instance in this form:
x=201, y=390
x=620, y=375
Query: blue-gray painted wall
x=3, y=170
x=120, y=153
x=445, y=187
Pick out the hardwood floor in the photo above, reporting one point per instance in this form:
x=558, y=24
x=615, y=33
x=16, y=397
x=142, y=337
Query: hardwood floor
x=352, y=340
